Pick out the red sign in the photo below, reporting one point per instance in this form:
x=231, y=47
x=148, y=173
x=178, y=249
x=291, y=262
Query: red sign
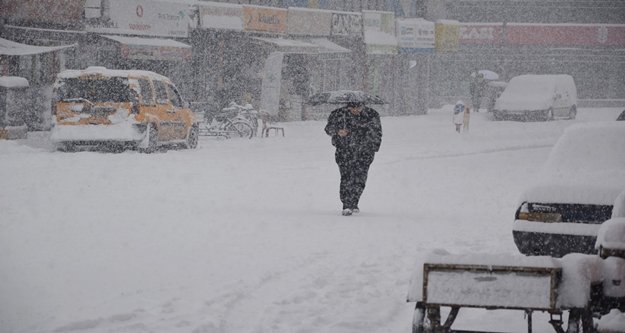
x=481, y=34
x=566, y=35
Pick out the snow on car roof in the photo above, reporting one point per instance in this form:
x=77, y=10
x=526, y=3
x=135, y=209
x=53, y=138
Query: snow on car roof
x=530, y=83
x=586, y=166
x=74, y=73
x=611, y=235
x=619, y=206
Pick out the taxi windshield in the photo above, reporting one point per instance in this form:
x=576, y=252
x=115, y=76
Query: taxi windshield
x=111, y=89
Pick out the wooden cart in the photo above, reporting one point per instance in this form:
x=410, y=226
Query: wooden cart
x=491, y=287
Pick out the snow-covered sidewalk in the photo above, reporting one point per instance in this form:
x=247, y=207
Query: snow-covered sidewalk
x=246, y=236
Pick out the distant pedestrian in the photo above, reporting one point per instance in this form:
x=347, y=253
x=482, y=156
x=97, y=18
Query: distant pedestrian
x=356, y=133
x=466, y=119
x=458, y=117
x=476, y=88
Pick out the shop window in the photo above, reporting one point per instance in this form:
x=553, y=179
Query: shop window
x=161, y=92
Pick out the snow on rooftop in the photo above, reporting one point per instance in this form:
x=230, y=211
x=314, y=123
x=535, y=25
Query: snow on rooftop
x=11, y=48
x=147, y=41
x=13, y=82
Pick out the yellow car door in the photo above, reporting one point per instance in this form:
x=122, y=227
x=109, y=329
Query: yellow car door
x=167, y=113
x=184, y=115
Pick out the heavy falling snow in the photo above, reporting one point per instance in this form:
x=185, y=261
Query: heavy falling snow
x=129, y=204
x=246, y=235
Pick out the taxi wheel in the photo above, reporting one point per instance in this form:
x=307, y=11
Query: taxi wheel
x=67, y=147
x=152, y=140
x=193, y=137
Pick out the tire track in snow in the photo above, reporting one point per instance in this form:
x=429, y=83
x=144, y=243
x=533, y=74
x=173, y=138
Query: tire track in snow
x=245, y=306
x=308, y=296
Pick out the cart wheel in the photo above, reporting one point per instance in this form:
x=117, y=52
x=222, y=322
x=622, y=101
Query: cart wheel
x=418, y=319
x=580, y=321
x=428, y=319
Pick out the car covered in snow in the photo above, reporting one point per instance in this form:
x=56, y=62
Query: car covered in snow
x=99, y=106
x=537, y=97
x=574, y=193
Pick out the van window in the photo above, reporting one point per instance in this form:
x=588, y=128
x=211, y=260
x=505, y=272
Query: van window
x=147, y=96
x=175, y=96
x=161, y=92
x=113, y=89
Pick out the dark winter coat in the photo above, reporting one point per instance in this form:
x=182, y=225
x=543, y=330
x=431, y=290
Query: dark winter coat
x=365, y=130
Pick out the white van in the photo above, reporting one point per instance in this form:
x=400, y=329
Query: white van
x=537, y=97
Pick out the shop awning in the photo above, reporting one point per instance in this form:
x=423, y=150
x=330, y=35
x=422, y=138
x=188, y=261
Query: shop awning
x=139, y=48
x=291, y=45
x=326, y=46
x=305, y=46
x=11, y=48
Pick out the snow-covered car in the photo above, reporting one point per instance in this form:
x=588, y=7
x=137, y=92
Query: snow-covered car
x=574, y=193
x=135, y=108
x=537, y=97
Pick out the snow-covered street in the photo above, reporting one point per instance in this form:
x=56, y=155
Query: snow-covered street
x=246, y=235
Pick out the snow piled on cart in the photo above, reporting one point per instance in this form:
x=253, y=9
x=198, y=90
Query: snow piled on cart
x=579, y=271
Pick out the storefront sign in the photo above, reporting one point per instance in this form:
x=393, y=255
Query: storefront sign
x=346, y=24
x=379, y=32
x=264, y=19
x=565, y=34
x=538, y=34
x=447, y=34
x=481, y=34
x=415, y=36
x=143, y=17
x=309, y=22
x=221, y=16
x=49, y=11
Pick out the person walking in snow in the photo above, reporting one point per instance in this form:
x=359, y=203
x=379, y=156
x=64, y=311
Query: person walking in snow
x=459, y=115
x=476, y=88
x=356, y=133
